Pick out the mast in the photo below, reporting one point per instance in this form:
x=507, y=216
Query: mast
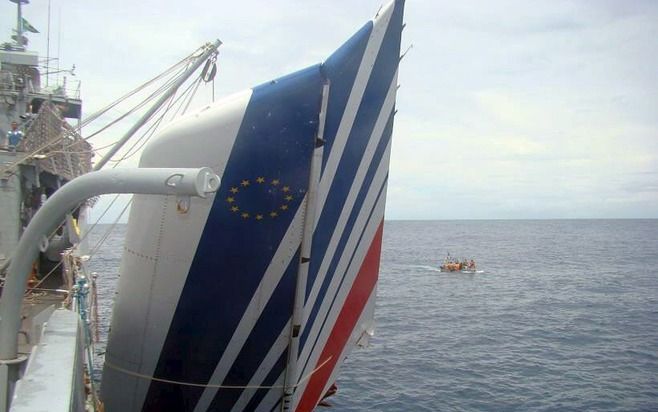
x=19, y=22
x=48, y=47
x=210, y=50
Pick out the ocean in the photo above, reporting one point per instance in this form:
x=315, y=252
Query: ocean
x=563, y=317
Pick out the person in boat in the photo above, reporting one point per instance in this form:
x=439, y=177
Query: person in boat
x=471, y=265
x=14, y=137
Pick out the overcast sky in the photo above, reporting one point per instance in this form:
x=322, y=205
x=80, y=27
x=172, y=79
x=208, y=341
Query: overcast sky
x=507, y=109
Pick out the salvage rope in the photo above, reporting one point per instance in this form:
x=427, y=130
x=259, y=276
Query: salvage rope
x=208, y=385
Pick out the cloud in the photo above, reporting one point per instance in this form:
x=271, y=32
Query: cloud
x=506, y=109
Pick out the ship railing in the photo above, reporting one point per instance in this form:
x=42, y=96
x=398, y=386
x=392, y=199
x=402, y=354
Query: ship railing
x=15, y=83
x=63, y=152
x=7, y=83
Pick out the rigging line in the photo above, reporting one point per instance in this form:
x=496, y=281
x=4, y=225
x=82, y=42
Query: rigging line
x=141, y=104
x=188, y=92
x=81, y=239
x=183, y=95
x=165, y=86
x=30, y=155
x=108, y=232
x=97, y=222
x=91, y=254
x=69, y=132
x=192, y=93
x=66, y=133
x=152, y=128
x=94, y=150
x=73, y=152
x=144, y=139
x=106, y=109
x=182, y=98
x=209, y=385
x=98, y=113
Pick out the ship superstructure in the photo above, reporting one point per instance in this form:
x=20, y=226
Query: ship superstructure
x=40, y=151
x=50, y=153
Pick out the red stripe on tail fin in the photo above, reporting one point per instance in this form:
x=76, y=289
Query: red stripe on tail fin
x=345, y=323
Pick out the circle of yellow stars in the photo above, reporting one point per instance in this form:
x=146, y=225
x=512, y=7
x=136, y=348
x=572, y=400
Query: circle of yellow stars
x=233, y=206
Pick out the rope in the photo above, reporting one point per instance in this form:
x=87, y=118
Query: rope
x=188, y=93
x=191, y=96
x=138, y=106
x=141, y=104
x=100, y=112
x=208, y=385
x=187, y=61
x=146, y=136
x=150, y=132
x=95, y=249
x=12, y=167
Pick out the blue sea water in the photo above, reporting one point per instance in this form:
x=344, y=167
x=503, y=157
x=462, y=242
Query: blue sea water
x=564, y=317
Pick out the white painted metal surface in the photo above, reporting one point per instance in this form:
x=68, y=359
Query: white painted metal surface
x=53, y=379
x=155, y=263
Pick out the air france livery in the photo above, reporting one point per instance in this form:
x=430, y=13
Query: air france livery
x=252, y=298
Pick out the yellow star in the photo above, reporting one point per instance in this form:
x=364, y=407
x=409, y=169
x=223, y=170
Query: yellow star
x=284, y=207
x=234, y=190
x=234, y=208
x=245, y=183
x=259, y=217
x=230, y=199
x=245, y=215
x=288, y=198
x=274, y=214
x=286, y=188
x=275, y=182
x=260, y=179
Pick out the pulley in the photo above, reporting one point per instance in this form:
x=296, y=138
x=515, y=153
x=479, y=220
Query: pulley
x=210, y=69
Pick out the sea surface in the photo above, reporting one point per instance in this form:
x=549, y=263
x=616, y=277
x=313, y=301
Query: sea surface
x=564, y=317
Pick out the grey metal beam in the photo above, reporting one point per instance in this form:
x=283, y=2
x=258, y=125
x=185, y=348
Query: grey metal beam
x=180, y=182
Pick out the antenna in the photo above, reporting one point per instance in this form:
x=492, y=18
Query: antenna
x=48, y=46
x=19, y=23
x=59, y=39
